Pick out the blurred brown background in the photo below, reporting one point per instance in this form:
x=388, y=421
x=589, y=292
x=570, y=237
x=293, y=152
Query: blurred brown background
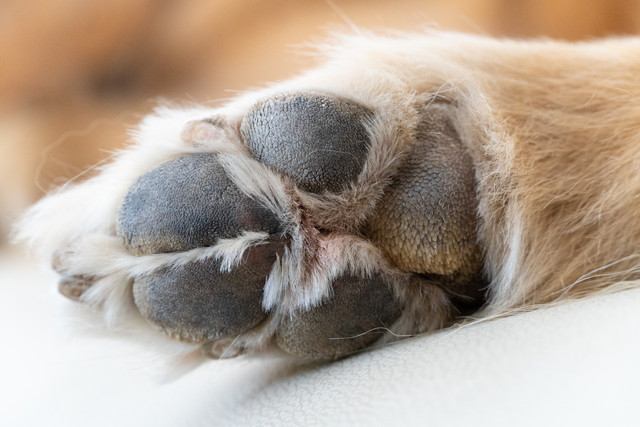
x=75, y=74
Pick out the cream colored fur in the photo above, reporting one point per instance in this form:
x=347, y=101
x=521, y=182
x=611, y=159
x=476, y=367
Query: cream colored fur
x=553, y=129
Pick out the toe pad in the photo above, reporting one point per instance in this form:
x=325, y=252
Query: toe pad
x=320, y=141
x=352, y=319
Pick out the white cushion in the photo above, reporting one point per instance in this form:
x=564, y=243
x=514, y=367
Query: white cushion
x=574, y=364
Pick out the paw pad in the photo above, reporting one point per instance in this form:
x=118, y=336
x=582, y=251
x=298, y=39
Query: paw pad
x=358, y=314
x=187, y=203
x=198, y=302
x=319, y=141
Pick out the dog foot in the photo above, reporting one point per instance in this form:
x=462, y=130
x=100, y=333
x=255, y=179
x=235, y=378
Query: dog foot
x=306, y=220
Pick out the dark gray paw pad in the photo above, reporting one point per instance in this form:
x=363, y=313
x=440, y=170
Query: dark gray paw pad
x=198, y=303
x=186, y=203
x=320, y=141
x=352, y=319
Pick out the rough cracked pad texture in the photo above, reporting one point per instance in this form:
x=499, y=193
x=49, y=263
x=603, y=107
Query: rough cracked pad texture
x=427, y=220
x=186, y=203
x=338, y=327
x=319, y=141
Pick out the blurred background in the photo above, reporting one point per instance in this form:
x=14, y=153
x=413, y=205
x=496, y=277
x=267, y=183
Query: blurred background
x=76, y=74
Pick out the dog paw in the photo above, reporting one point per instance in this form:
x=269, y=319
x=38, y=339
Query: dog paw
x=308, y=220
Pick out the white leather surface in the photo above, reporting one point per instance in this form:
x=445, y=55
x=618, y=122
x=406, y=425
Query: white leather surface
x=575, y=364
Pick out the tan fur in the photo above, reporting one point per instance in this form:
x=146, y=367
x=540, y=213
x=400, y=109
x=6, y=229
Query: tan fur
x=553, y=130
x=568, y=118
